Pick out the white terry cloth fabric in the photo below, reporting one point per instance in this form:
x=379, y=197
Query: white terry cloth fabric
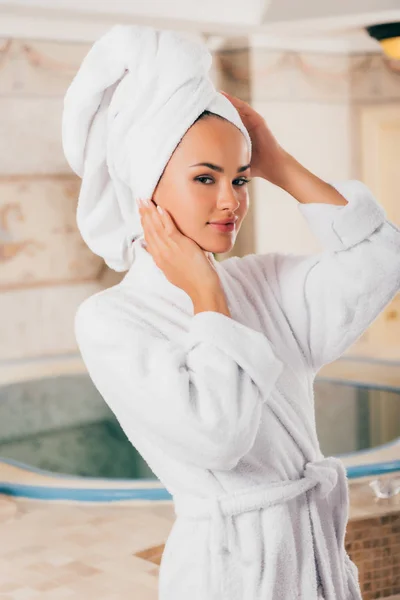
x=222, y=409
x=136, y=94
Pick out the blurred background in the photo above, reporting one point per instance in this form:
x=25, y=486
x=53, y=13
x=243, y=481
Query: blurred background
x=328, y=83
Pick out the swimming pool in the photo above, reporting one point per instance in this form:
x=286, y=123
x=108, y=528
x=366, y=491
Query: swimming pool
x=59, y=440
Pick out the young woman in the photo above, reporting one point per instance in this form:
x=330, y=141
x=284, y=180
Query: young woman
x=209, y=366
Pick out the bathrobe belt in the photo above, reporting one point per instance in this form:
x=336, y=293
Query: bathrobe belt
x=337, y=573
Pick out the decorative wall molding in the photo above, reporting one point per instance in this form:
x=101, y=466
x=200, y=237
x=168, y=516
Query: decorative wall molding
x=40, y=244
x=297, y=75
x=38, y=68
x=355, y=42
x=290, y=76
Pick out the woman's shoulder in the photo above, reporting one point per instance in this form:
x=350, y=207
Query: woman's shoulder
x=109, y=313
x=101, y=303
x=93, y=315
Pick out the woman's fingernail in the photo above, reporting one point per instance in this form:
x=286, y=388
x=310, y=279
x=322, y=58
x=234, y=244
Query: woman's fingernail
x=160, y=210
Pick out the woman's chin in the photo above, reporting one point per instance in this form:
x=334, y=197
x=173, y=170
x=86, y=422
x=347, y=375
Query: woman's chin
x=219, y=243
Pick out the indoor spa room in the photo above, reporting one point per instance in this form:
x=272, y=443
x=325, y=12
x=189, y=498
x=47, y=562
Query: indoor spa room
x=243, y=441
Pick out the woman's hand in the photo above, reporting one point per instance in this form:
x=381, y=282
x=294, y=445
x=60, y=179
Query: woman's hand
x=268, y=159
x=183, y=262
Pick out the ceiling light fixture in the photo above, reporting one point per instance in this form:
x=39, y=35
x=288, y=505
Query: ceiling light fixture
x=388, y=35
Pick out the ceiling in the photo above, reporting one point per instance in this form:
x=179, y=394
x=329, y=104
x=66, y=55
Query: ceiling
x=327, y=25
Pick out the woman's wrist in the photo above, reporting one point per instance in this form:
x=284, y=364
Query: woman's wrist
x=291, y=174
x=210, y=300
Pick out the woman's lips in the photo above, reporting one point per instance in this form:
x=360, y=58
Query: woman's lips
x=224, y=228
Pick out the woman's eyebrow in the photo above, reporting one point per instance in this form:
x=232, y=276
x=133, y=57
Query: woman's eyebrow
x=218, y=168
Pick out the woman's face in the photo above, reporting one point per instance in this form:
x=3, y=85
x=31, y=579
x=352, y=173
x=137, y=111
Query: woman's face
x=196, y=195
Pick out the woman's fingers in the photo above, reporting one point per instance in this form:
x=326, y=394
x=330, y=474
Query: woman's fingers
x=154, y=217
x=158, y=228
x=151, y=238
x=169, y=224
x=251, y=118
x=238, y=101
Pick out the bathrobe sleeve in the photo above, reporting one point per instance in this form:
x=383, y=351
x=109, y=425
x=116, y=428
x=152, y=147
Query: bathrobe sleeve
x=330, y=298
x=200, y=402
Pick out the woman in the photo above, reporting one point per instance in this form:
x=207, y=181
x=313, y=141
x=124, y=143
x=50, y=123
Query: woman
x=209, y=366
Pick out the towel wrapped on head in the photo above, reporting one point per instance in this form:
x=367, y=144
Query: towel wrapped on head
x=137, y=92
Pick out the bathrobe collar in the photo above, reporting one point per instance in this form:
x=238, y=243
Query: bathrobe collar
x=144, y=274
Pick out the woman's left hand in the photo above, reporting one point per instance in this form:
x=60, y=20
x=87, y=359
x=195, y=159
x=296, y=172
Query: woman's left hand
x=268, y=159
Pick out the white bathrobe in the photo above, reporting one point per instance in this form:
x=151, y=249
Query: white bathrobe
x=222, y=409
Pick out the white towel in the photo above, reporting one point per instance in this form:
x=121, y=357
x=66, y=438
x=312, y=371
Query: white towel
x=135, y=95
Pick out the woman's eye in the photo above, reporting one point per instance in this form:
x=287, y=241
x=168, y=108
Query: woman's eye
x=202, y=178
x=243, y=180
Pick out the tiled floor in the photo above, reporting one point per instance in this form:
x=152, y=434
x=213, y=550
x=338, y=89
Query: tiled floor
x=53, y=550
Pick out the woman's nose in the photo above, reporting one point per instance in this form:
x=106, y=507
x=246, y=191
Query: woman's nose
x=228, y=198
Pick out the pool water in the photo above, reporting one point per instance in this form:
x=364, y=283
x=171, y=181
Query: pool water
x=99, y=449
x=62, y=424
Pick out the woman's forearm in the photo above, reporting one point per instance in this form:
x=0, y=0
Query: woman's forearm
x=306, y=187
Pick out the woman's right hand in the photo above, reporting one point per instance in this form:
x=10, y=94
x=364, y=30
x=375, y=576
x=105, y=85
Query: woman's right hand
x=181, y=259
